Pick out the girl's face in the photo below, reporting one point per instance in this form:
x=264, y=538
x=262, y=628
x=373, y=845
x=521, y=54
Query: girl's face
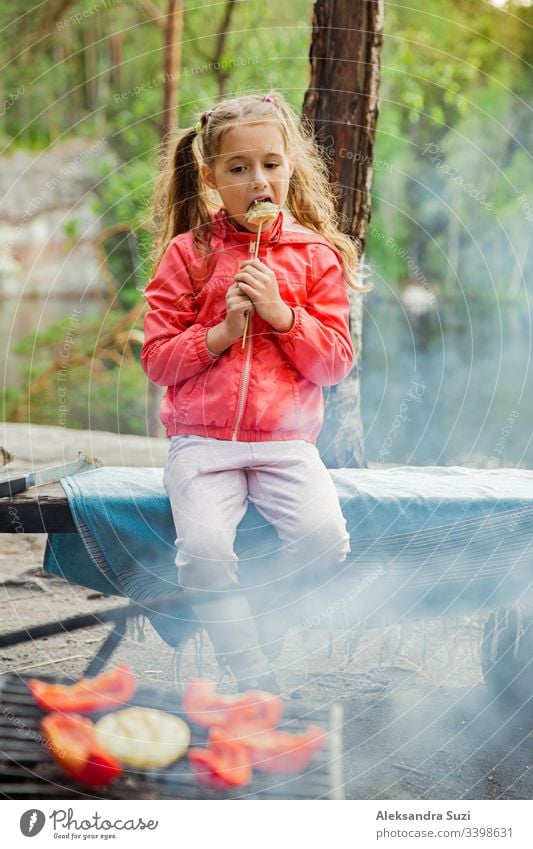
x=252, y=164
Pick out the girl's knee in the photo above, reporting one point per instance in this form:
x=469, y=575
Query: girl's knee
x=330, y=541
x=198, y=542
x=343, y=547
x=335, y=544
x=206, y=563
x=207, y=576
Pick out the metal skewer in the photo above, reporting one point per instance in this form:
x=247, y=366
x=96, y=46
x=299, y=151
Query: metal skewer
x=256, y=251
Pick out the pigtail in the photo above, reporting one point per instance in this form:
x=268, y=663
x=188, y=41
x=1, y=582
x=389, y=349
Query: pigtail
x=178, y=204
x=186, y=185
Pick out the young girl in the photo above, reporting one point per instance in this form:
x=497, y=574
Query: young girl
x=243, y=414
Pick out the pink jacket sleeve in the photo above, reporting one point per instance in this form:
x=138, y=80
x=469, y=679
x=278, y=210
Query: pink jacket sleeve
x=174, y=346
x=319, y=343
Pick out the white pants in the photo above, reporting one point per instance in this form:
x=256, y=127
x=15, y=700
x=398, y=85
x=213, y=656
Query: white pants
x=209, y=483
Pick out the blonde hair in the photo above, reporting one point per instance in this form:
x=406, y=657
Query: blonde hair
x=180, y=201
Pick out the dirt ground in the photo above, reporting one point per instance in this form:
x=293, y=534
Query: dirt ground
x=418, y=721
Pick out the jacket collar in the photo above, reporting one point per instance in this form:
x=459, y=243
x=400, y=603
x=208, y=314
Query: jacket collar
x=227, y=231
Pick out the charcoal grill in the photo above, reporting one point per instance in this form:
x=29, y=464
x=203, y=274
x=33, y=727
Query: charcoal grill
x=27, y=771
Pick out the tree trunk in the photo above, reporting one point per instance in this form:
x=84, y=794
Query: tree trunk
x=115, y=42
x=172, y=66
x=223, y=74
x=343, y=102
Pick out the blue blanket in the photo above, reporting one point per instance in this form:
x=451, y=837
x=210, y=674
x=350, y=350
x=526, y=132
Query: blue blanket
x=440, y=539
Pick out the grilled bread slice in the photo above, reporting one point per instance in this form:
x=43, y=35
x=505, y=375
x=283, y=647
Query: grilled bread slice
x=144, y=737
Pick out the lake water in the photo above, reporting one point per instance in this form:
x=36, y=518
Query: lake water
x=454, y=386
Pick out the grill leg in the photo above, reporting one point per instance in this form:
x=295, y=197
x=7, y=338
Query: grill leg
x=97, y=663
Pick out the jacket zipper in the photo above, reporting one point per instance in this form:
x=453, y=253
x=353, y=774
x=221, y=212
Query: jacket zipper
x=245, y=371
x=244, y=379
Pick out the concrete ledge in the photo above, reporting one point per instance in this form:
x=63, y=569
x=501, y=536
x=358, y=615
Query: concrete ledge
x=41, y=445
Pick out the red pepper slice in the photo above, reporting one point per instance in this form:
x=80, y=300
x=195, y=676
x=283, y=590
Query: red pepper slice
x=222, y=765
x=254, y=709
x=274, y=751
x=108, y=690
x=73, y=744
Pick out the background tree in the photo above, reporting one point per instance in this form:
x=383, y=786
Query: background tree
x=342, y=101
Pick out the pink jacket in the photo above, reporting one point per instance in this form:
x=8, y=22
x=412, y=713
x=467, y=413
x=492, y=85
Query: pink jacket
x=272, y=388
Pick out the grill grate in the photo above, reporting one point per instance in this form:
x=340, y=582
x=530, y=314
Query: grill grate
x=27, y=770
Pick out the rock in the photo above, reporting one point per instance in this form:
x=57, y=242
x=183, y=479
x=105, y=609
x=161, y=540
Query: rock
x=44, y=445
x=40, y=195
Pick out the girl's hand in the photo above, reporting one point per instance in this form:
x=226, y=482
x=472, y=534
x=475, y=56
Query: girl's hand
x=237, y=305
x=258, y=282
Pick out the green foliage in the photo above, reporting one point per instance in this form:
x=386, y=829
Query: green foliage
x=111, y=400
x=267, y=46
x=89, y=388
